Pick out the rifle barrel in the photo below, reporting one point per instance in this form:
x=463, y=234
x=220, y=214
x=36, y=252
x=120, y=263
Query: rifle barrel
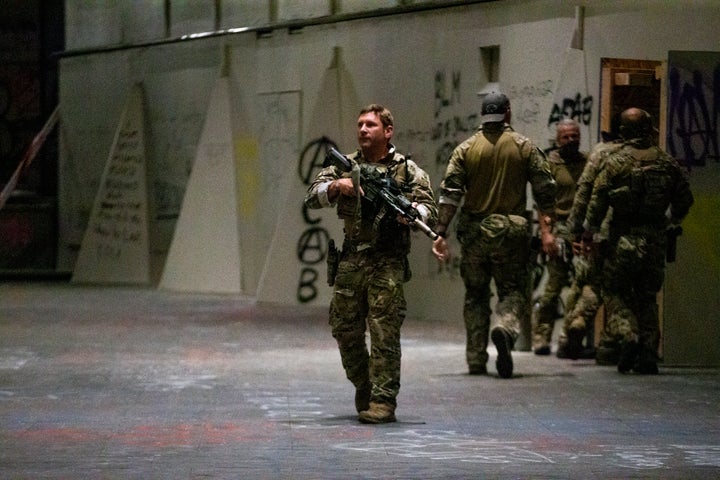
x=339, y=159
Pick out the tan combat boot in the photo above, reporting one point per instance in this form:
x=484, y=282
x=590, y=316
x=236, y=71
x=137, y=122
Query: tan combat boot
x=378, y=413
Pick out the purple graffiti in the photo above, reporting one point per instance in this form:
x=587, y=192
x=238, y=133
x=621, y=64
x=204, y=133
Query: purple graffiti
x=692, y=135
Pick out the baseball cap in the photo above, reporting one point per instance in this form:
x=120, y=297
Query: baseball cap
x=494, y=107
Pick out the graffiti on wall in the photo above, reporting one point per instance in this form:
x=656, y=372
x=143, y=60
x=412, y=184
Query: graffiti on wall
x=578, y=108
x=447, y=90
x=175, y=139
x=529, y=104
x=451, y=125
x=455, y=121
x=528, y=101
x=694, y=109
x=312, y=244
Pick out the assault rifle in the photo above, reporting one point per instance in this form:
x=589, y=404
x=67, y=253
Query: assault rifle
x=383, y=189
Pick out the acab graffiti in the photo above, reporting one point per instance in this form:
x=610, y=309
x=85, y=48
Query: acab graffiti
x=578, y=108
x=312, y=244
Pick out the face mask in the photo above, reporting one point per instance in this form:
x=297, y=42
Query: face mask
x=569, y=149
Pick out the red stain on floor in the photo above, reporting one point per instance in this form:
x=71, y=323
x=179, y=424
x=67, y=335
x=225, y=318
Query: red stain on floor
x=160, y=436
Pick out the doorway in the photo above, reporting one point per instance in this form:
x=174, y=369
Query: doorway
x=626, y=83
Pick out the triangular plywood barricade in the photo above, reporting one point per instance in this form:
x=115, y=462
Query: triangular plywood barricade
x=295, y=270
x=205, y=252
x=115, y=247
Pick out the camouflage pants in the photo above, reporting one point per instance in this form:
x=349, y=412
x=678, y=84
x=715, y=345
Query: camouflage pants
x=584, y=298
x=633, y=275
x=496, y=248
x=368, y=295
x=558, y=278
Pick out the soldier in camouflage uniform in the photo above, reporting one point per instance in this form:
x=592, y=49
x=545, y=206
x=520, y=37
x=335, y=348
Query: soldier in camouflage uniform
x=491, y=170
x=585, y=296
x=648, y=192
x=566, y=165
x=368, y=287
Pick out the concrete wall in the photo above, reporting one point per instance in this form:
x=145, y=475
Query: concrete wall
x=291, y=87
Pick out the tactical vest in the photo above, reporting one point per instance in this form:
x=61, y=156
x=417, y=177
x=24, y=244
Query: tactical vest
x=374, y=222
x=644, y=191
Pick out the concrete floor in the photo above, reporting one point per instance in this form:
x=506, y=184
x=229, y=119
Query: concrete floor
x=116, y=383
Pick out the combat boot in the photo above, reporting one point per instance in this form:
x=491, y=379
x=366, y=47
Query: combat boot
x=362, y=396
x=378, y=413
x=542, y=329
x=479, y=369
x=504, y=344
x=562, y=346
x=605, y=355
x=628, y=356
x=646, y=363
x=588, y=353
x=575, y=335
x=646, y=367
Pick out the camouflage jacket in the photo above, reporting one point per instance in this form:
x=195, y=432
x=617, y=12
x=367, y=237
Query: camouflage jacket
x=640, y=183
x=583, y=190
x=377, y=228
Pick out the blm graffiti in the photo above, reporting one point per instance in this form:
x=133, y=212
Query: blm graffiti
x=312, y=244
x=451, y=124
